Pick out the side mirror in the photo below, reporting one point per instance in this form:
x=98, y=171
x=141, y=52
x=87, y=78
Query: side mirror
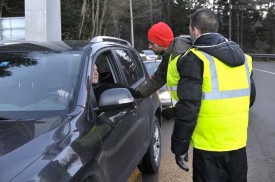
x=115, y=98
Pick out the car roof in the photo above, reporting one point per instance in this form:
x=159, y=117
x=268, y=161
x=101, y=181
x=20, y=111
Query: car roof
x=112, y=40
x=23, y=45
x=66, y=45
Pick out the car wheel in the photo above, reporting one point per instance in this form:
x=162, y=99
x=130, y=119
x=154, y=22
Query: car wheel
x=151, y=161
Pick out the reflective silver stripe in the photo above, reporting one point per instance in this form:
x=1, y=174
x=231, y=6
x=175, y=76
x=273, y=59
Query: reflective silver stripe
x=247, y=72
x=173, y=88
x=216, y=94
x=174, y=102
x=225, y=94
x=213, y=72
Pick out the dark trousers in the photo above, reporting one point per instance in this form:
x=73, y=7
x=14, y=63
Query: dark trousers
x=228, y=166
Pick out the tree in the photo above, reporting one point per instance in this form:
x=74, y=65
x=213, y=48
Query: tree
x=268, y=29
x=93, y=16
x=244, y=14
x=84, y=19
x=178, y=17
x=70, y=19
x=11, y=8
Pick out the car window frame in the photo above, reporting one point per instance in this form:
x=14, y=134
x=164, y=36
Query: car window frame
x=114, y=68
x=138, y=63
x=126, y=50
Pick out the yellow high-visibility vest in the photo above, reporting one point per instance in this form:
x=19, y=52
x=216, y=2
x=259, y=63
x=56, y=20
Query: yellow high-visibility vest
x=224, y=112
x=172, y=79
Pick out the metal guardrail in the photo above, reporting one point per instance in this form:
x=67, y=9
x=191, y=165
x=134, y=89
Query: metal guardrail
x=263, y=57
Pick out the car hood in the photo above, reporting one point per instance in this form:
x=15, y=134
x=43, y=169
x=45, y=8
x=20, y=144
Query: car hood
x=24, y=141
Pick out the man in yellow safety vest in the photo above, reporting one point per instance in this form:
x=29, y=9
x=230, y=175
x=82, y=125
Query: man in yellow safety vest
x=215, y=90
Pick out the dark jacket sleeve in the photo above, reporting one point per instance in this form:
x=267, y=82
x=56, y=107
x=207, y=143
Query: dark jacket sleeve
x=178, y=46
x=189, y=91
x=252, y=91
x=157, y=80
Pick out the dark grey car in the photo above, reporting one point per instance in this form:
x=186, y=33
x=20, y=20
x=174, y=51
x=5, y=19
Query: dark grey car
x=46, y=137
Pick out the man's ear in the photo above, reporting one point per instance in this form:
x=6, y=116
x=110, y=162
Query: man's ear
x=197, y=31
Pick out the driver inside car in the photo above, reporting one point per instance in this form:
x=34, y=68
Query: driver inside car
x=97, y=86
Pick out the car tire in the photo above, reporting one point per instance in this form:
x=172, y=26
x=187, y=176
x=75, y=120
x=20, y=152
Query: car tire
x=151, y=160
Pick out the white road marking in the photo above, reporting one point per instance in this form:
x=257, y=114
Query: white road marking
x=264, y=71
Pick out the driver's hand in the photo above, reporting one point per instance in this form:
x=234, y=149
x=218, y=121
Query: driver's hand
x=63, y=95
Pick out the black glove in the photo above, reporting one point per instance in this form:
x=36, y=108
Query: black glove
x=168, y=113
x=135, y=93
x=180, y=161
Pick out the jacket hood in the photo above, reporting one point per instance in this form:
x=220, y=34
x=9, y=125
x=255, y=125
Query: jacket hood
x=218, y=46
x=179, y=46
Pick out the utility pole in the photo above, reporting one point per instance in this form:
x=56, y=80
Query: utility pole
x=132, y=25
x=230, y=20
x=242, y=28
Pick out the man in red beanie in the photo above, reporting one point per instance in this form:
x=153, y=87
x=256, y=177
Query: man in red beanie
x=162, y=42
x=160, y=36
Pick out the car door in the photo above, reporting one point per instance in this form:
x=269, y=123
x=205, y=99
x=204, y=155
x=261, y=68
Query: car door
x=139, y=129
x=120, y=130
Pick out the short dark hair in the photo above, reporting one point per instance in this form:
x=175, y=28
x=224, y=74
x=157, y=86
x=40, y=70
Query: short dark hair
x=205, y=20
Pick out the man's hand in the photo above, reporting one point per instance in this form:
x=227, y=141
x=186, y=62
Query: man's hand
x=168, y=113
x=135, y=93
x=180, y=161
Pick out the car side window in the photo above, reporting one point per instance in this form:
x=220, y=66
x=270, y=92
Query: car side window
x=104, y=69
x=103, y=75
x=138, y=63
x=129, y=66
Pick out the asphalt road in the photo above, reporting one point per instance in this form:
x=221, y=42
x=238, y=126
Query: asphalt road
x=261, y=136
x=261, y=143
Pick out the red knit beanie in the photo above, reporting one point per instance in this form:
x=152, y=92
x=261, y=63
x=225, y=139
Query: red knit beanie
x=160, y=34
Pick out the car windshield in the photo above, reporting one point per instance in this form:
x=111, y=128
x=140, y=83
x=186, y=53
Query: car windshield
x=34, y=81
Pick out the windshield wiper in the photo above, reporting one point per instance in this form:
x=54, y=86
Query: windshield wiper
x=4, y=118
